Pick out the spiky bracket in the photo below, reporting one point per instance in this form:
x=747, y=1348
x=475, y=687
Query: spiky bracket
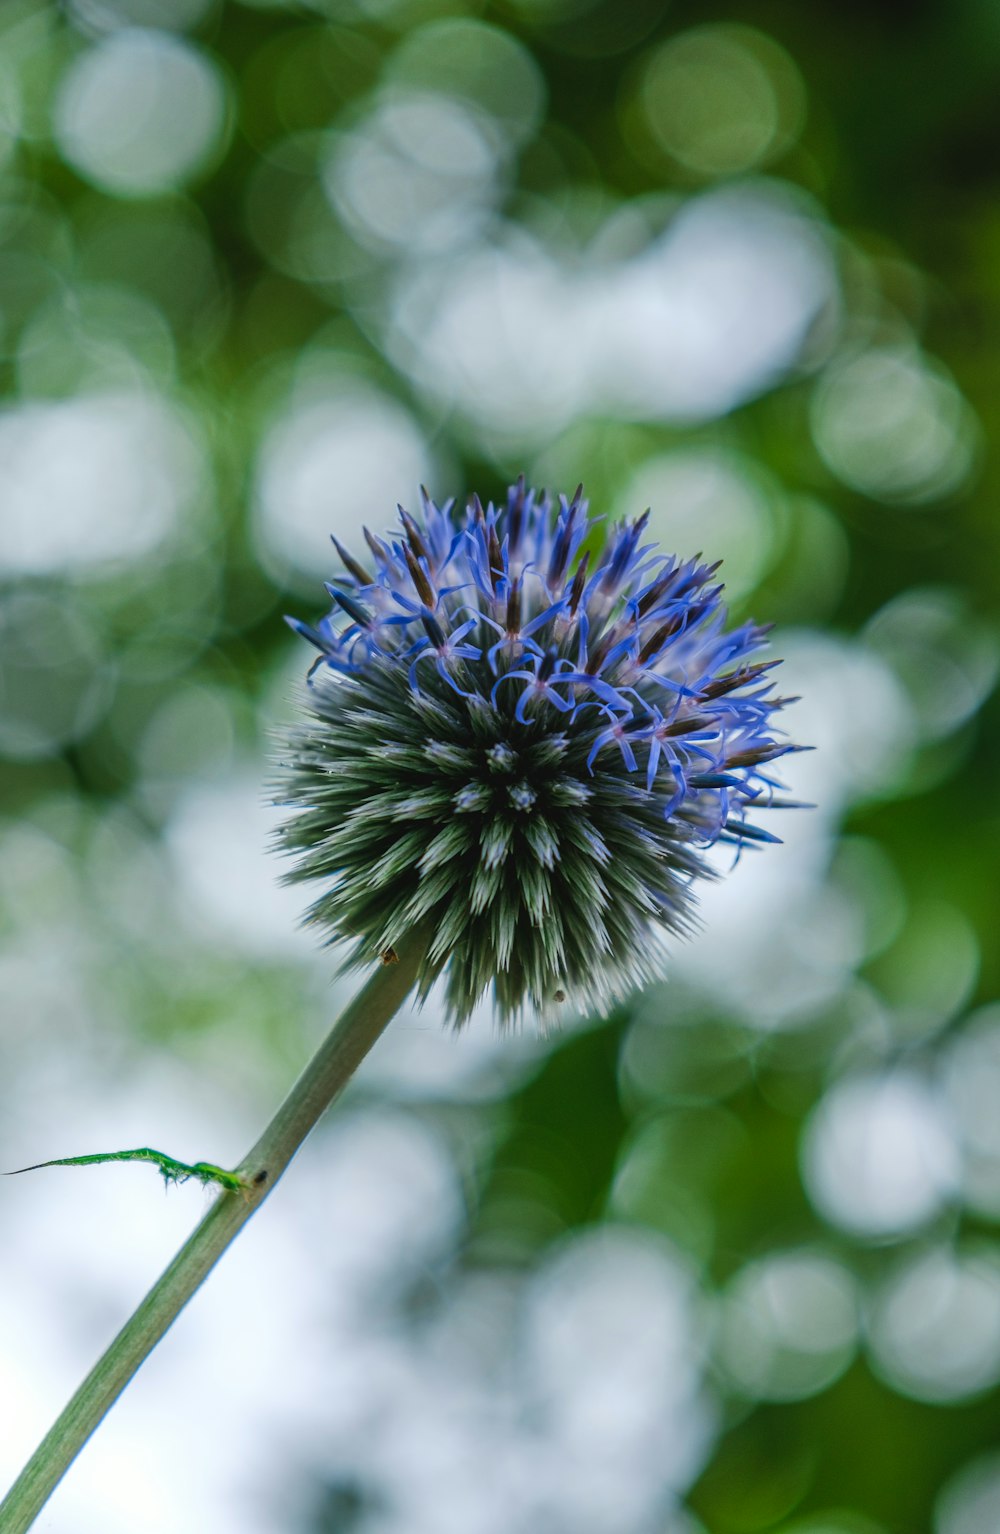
x=172, y=1172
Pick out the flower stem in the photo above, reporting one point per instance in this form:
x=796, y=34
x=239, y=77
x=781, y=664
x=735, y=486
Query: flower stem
x=345, y=1046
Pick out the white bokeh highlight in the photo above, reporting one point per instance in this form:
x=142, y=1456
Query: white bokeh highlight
x=788, y=1325
x=777, y=942
x=970, y=1501
x=721, y=99
x=228, y=880
x=717, y=502
x=970, y=1081
x=709, y=314
x=422, y=172
x=141, y=112
x=328, y=465
x=934, y=1325
x=879, y=1157
x=894, y=425
x=97, y=481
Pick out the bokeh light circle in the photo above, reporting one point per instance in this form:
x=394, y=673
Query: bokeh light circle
x=96, y=337
x=420, y=172
x=94, y=482
x=391, y=1201
x=837, y=1521
x=522, y=337
x=291, y=217
x=946, y=656
x=170, y=15
x=141, y=112
x=878, y=1155
x=970, y=1501
x=217, y=837
x=466, y=58
x=328, y=465
x=930, y=970
x=722, y=99
x=934, y=1325
x=970, y=1075
x=55, y=682
x=714, y=501
x=612, y=1340
x=894, y=426
x=788, y=1325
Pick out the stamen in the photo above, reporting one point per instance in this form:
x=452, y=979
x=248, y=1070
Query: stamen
x=656, y=642
x=351, y=565
x=378, y=548
x=413, y=534
x=352, y=607
x=495, y=556
x=579, y=580
x=514, y=609
x=423, y=586
x=515, y=515
x=433, y=630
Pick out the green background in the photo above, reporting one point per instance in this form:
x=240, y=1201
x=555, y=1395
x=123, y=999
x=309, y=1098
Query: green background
x=726, y=1260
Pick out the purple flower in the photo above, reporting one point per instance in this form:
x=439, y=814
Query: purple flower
x=524, y=737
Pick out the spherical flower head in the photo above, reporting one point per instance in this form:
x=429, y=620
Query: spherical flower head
x=524, y=733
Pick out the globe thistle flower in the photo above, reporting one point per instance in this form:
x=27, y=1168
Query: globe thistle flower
x=523, y=739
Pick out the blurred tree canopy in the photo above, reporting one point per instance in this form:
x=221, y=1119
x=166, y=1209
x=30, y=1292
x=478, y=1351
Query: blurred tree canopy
x=263, y=268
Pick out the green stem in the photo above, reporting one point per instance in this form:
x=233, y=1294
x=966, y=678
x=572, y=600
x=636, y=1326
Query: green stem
x=345, y=1046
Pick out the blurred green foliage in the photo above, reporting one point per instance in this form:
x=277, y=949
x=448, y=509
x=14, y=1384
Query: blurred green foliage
x=261, y=267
